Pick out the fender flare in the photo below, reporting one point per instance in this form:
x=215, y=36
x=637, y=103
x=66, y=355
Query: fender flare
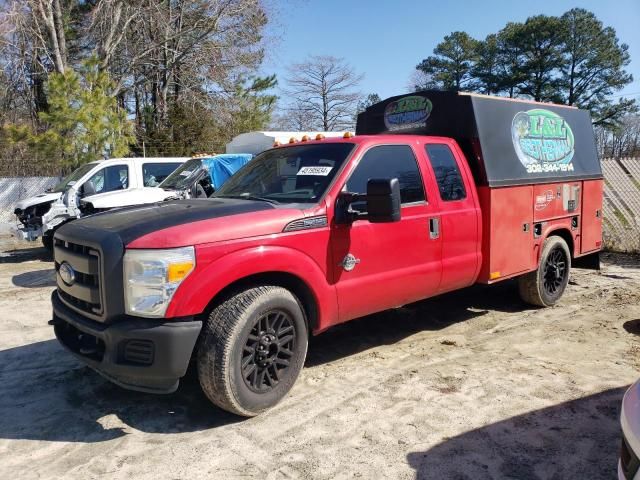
x=198, y=290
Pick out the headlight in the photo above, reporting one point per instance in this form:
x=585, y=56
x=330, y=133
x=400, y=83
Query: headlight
x=151, y=277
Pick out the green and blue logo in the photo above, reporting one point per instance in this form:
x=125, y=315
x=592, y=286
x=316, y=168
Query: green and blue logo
x=407, y=113
x=543, y=141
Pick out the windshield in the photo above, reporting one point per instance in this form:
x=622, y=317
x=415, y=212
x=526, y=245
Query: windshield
x=182, y=177
x=289, y=174
x=73, y=177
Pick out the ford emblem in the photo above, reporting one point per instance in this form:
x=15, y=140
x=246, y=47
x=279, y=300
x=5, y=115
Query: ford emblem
x=67, y=273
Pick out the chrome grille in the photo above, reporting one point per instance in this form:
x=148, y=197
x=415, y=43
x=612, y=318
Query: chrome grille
x=83, y=294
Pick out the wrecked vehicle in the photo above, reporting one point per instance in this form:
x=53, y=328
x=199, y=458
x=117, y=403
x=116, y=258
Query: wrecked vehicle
x=39, y=216
x=436, y=191
x=198, y=177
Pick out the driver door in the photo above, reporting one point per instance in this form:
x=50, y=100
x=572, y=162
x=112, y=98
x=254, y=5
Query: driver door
x=377, y=266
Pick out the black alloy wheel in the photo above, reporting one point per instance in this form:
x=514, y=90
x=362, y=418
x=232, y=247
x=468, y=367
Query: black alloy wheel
x=268, y=350
x=555, y=271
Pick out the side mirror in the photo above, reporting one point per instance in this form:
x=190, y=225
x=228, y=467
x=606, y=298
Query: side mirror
x=383, y=200
x=87, y=189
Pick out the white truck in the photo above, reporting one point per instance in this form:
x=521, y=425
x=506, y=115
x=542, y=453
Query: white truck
x=198, y=177
x=40, y=216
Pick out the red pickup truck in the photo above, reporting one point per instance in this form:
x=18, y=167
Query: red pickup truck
x=435, y=192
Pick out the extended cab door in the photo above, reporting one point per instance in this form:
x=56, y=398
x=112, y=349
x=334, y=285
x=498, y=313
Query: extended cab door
x=459, y=215
x=377, y=266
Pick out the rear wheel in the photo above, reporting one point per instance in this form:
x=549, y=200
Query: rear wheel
x=252, y=350
x=544, y=286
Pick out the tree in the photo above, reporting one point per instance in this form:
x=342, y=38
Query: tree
x=84, y=121
x=593, y=67
x=324, y=89
x=540, y=41
x=486, y=69
x=367, y=101
x=452, y=62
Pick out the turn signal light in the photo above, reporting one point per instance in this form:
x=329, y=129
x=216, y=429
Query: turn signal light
x=319, y=136
x=347, y=135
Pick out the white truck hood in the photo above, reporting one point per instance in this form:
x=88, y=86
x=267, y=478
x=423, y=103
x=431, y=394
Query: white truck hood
x=126, y=198
x=38, y=199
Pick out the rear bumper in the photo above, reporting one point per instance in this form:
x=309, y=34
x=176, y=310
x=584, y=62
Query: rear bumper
x=134, y=353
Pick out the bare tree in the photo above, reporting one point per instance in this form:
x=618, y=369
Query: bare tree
x=323, y=89
x=621, y=141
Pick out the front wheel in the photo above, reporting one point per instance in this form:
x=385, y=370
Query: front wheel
x=252, y=350
x=544, y=286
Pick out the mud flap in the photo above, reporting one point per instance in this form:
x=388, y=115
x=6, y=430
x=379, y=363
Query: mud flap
x=588, y=262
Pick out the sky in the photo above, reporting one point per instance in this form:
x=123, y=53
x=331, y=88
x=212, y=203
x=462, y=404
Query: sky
x=386, y=39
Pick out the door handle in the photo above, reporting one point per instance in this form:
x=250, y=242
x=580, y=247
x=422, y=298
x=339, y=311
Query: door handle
x=434, y=228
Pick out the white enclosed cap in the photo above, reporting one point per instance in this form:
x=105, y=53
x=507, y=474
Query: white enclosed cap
x=256, y=142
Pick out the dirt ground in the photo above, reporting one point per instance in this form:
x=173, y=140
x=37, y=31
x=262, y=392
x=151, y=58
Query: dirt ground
x=472, y=385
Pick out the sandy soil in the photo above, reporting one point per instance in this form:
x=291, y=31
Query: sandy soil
x=469, y=385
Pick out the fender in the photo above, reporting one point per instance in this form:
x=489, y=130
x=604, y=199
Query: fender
x=562, y=226
x=196, y=292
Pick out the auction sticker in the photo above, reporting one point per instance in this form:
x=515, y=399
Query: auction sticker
x=317, y=171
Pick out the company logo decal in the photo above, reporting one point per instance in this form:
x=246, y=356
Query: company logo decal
x=407, y=113
x=544, y=199
x=543, y=141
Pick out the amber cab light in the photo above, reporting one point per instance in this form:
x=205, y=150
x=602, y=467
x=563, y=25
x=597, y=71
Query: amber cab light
x=347, y=135
x=319, y=136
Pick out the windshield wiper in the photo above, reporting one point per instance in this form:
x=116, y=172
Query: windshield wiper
x=250, y=197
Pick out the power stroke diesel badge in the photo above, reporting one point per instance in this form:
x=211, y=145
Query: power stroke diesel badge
x=543, y=141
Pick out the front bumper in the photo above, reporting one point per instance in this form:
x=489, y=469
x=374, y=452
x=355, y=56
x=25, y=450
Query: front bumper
x=28, y=234
x=134, y=353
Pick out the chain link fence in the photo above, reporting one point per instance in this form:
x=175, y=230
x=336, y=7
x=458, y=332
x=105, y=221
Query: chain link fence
x=14, y=189
x=621, y=229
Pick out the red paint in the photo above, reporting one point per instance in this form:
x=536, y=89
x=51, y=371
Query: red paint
x=491, y=230
x=592, y=216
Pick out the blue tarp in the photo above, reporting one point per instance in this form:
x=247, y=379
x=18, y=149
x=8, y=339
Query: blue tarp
x=221, y=167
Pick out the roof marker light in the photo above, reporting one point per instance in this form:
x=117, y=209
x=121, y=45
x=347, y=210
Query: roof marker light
x=293, y=140
x=305, y=138
x=276, y=144
x=347, y=135
x=319, y=136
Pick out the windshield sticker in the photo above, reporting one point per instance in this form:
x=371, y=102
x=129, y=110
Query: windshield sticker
x=543, y=141
x=317, y=171
x=407, y=113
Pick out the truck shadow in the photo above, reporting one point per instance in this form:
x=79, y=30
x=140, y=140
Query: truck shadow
x=575, y=439
x=35, y=279
x=391, y=326
x=48, y=396
x=25, y=255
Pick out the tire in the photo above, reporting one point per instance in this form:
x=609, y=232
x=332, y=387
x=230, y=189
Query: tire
x=544, y=286
x=252, y=349
x=47, y=242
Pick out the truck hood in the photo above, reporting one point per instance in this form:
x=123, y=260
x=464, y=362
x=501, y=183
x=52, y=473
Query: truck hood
x=37, y=200
x=127, y=198
x=182, y=222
